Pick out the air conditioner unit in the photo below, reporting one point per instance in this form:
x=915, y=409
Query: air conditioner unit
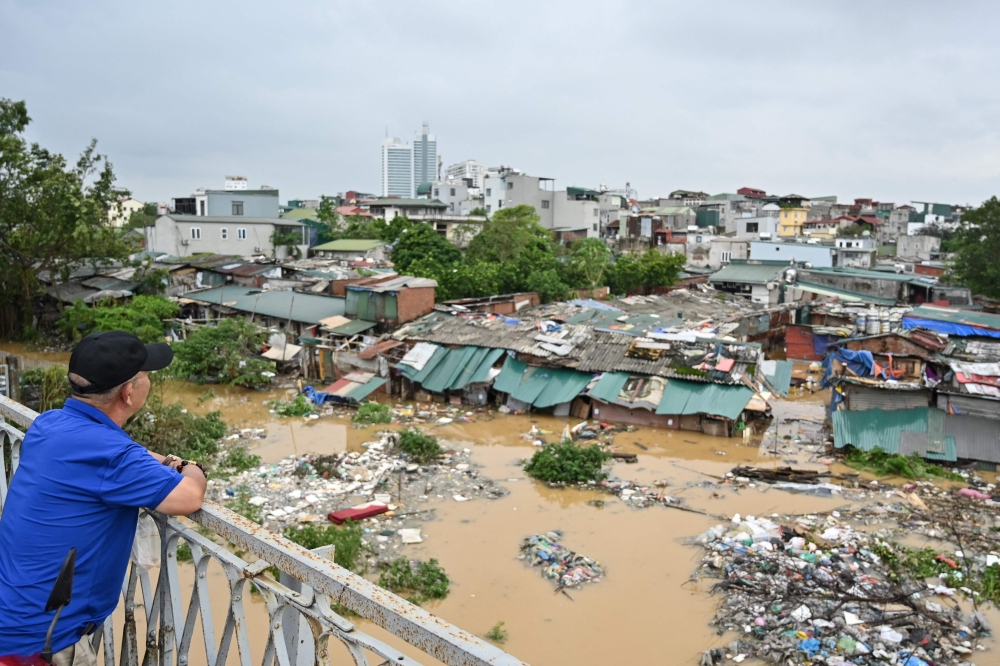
x=257, y=249
x=185, y=242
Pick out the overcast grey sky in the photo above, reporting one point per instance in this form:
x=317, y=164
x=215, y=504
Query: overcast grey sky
x=891, y=100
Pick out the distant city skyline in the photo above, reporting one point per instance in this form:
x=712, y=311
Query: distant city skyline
x=585, y=93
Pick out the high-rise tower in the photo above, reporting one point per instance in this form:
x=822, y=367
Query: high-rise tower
x=397, y=168
x=424, y=157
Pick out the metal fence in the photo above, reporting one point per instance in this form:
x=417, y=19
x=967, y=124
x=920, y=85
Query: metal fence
x=302, y=628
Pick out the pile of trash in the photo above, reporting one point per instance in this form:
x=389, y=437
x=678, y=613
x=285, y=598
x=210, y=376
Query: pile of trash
x=307, y=489
x=558, y=563
x=812, y=588
x=583, y=433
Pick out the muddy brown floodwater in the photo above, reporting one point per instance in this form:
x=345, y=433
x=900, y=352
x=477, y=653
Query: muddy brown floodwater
x=645, y=611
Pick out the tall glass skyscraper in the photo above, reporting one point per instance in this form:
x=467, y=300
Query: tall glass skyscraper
x=397, y=168
x=424, y=157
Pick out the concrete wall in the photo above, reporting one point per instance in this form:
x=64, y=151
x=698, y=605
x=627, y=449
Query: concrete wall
x=863, y=285
x=167, y=234
x=451, y=192
x=919, y=247
x=255, y=204
x=577, y=214
x=523, y=189
x=759, y=293
x=764, y=225
x=817, y=255
x=732, y=248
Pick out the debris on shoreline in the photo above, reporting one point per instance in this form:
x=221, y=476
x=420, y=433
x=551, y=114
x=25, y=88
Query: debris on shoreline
x=815, y=588
x=300, y=490
x=558, y=563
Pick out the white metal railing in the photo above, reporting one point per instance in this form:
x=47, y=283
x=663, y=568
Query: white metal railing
x=301, y=621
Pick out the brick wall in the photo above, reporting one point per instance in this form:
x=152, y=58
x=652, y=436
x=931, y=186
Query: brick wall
x=413, y=303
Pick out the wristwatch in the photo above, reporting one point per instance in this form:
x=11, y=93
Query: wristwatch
x=195, y=463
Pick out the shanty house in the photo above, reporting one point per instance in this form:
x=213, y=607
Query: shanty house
x=391, y=302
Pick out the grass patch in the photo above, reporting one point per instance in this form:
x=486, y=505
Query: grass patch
x=567, y=463
x=373, y=412
x=881, y=463
x=418, y=581
x=236, y=459
x=497, y=634
x=300, y=406
x=349, y=549
x=690, y=372
x=419, y=446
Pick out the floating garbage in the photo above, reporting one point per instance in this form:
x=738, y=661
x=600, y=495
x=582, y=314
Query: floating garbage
x=558, y=563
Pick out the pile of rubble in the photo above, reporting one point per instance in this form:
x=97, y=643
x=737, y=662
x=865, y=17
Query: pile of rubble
x=804, y=589
x=307, y=489
x=558, y=563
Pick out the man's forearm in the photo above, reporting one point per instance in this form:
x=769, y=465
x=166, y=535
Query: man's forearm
x=195, y=473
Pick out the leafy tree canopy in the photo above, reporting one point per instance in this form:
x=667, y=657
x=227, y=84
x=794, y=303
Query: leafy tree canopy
x=421, y=242
x=977, y=246
x=52, y=214
x=225, y=353
x=143, y=316
x=588, y=262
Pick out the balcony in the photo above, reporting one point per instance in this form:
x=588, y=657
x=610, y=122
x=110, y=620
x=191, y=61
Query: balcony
x=302, y=627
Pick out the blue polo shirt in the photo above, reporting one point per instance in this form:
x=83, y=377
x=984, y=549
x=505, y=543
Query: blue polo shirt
x=80, y=484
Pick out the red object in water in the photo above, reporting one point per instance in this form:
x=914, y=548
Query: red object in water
x=357, y=513
x=18, y=660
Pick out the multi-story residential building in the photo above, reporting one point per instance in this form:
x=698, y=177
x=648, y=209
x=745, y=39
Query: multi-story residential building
x=120, y=213
x=688, y=198
x=467, y=170
x=751, y=192
x=425, y=157
x=397, y=168
x=856, y=251
x=229, y=203
x=762, y=227
x=245, y=236
x=895, y=225
x=452, y=192
x=790, y=221
x=819, y=256
x=922, y=248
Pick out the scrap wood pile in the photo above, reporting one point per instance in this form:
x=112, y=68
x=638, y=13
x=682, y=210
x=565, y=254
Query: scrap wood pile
x=814, y=588
x=558, y=563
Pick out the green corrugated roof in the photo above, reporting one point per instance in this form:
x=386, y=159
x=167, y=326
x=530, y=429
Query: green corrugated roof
x=419, y=376
x=533, y=383
x=682, y=397
x=510, y=375
x=364, y=390
x=748, y=273
x=349, y=245
x=781, y=380
x=353, y=327
x=609, y=386
x=842, y=294
x=478, y=368
x=294, y=305
x=563, y=385
x=869, y=429
x=446, y=371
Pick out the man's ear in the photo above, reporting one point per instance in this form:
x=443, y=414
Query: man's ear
x=126, y=394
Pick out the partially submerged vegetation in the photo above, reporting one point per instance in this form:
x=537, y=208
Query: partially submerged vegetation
x=419, y=446
x=348, y=547
x=418, y=581
x=567, y=462
x=300, y=406
x=373, y=412
x=881, y=463
x=227, y=353
x=497, y=633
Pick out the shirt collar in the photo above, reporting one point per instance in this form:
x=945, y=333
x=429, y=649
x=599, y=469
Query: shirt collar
x=90, y=411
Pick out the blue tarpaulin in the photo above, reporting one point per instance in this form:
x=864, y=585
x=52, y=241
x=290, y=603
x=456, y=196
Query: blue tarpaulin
x=861, y=363
x=951, y=328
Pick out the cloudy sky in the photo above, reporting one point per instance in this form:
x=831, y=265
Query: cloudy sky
x=897, y=101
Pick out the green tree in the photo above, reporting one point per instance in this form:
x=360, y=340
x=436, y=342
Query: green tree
x=479, y=212
x=589, y=260
x=851, y=230
x=327, y=215
x=977, y=246
x=661, y=269
x=510, y=232
x=420, y=241
x=224, y=353
x=625, y=274
x=52, y=215
x=143, y=316
x=142, y=218
x=548, y=284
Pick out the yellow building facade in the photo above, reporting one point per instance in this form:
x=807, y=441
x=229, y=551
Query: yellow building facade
x=790, y=221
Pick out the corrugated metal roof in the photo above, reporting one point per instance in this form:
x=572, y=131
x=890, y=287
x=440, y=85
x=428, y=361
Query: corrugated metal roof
x=781, y=379
x=876, y=428
x=842, y=294
x=353, y=328
x=102, y=282
x=419, y=376
x=609, y=386
x=378, y=348
x=364, y=390
x=297, y=306
x=955, y=316
x=349, y=245
x=684, y=397
x=563, y=385
x=510, y=375
x=976, y=437
x=748, y=273
x=447, y=371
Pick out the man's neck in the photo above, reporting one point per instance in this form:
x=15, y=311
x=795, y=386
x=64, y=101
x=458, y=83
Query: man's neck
x=113, y=412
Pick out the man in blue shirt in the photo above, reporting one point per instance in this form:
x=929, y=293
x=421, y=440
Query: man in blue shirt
x=79, y=485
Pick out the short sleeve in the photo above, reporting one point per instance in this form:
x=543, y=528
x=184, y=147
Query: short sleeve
x=134, y=478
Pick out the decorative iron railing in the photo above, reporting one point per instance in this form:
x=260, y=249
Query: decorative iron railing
x=302, y=624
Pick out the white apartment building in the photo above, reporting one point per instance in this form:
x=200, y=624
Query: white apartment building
x=469, y=169
x=397, y=168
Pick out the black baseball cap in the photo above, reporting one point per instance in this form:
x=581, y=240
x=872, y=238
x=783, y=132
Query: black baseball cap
x=111, y=358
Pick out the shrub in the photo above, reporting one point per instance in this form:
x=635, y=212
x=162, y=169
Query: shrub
x=235, y=459
x=348, y=547
x=300, y=406
x=241, y=504
x=50, y=387
x=173, y=430
x=497, y=634
x=567, y=463
x=419, y=446
x=224, y=353
x=421, y=580
x=143, y=316
x=881, y=463
x=373, y=412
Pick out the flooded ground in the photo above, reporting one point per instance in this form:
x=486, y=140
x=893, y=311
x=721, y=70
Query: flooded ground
x=645, y=611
